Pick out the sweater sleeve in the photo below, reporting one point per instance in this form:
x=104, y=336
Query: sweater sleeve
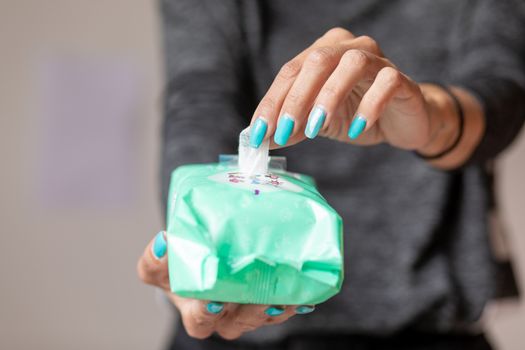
x=488, y=59
x=203, y=101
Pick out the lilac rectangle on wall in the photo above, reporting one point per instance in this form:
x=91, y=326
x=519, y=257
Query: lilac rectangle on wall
x=87, y=133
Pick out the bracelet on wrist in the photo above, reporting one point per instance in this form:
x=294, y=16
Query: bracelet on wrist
x=461, y=121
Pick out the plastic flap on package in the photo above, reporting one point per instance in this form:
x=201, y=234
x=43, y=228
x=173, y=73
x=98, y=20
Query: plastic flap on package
x=245, y=230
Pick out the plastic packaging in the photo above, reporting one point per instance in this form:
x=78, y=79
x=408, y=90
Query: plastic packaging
x=250, y=232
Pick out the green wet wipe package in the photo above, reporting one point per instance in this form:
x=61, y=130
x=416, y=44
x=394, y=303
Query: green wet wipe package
x=245, y=233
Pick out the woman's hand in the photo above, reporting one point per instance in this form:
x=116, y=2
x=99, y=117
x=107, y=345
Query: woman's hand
x=342, y=87
x=202, y=318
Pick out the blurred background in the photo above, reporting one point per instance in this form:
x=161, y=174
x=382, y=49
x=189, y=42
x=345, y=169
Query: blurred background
x=80, y=102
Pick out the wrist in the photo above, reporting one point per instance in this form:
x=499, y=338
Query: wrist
x=443, y=119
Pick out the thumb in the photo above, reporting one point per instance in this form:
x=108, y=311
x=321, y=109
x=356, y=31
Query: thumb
x=152, y=267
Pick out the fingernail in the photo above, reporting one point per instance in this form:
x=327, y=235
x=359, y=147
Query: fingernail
x=304, y=309
x=159, y=245
x=257, y=132
x=284, y=130
x=315, y=122
x=274, y=311
x=214, y=307
x=357, y=127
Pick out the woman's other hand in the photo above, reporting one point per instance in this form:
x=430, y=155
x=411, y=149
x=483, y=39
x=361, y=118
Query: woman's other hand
x=201, y=318
x=343, y=88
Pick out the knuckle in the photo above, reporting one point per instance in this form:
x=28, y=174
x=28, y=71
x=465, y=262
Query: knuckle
x=370, y=43
x=355, y=58
x=202, y=321
x=320, y=56
x=267, y=104
x=389, y=64
x=339, y=32
x=197, y=334
x=146, y=271
x=289, y=70
x=196, y=327
x=391, y=76
x=329, y=92
x=292, y=99
x=229, y=335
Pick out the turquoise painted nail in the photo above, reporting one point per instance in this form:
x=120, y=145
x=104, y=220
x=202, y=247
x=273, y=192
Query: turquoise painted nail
x=214, y=307
x=274, y=311
x=257, y=132
x=357, y=127
x=159, y=245
x=315, y=122
x=304, y=309
x=284, y=130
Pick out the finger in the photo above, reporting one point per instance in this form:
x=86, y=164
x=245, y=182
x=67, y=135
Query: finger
x=357, y=68
x=366, y=43
x=316, y=68
x=265, y=116
x=201, y=317
x=279, y=314
x=304, y=309
x=389, y=84
x=335, y=35
x=247, y=318
x=152, y=267
x=318, y=65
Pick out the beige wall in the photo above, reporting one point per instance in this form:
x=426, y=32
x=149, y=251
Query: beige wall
x=68, y=278
x=68, y=275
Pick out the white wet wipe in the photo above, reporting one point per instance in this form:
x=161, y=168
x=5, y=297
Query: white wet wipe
x=253, y=161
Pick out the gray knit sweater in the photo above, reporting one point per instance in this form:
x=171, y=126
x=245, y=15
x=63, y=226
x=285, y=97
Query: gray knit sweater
x=417, y=247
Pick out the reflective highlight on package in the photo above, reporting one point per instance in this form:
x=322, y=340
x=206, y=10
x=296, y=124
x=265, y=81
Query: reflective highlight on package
x=243, y=230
